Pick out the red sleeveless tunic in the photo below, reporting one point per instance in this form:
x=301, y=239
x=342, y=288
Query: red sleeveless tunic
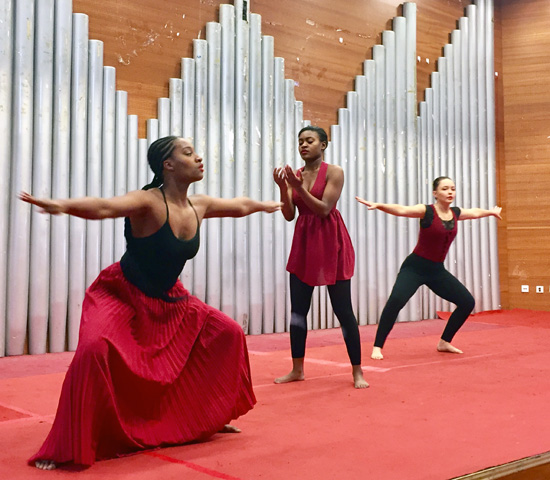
x=322, y=252
x=435, y=240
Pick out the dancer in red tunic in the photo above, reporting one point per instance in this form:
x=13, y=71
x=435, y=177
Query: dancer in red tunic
x=322, y=253
x=154, y=365
x=438, y=228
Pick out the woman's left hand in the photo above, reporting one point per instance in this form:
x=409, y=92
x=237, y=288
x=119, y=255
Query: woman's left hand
x=292, y=179
x=495, y=211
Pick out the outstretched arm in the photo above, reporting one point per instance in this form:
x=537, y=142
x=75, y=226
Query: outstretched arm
x=472, y=213
x=232, y=207
x=288, y=208
x=411, y=211
x=331, y=194
x=93, y=208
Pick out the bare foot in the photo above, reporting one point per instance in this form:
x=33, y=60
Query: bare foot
x=444, y=346
x=376, y=353
x=230, y=429
x=45, y=464
x=293, y=376
x=358, y=378
x=297, y=373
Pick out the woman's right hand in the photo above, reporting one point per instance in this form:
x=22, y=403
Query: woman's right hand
x=280, y=177
x=270, y=206
x=45, y=205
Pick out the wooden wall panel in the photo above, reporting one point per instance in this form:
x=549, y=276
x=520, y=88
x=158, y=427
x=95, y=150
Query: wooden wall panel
x=525, y=168
x=145, y=41
x=527, y=186
x=529, y=264
x=323, y=42
x=502, y=195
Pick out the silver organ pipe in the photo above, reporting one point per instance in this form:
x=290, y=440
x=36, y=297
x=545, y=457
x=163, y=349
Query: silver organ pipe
x=61, y=158
x=235, y=104
x=108, y=163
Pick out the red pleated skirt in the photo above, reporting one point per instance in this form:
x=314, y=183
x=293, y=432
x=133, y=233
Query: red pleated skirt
x=322, y=252
x=147, y=373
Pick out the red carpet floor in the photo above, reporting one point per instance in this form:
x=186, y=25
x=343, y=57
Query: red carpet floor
x=427, y=415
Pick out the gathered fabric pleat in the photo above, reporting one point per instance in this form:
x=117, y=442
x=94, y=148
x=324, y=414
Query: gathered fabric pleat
x=147, y=373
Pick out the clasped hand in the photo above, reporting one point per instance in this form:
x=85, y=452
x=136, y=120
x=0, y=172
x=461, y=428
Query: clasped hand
x=285, y=175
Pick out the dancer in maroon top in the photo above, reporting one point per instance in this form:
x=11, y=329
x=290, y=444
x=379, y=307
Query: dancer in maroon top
x=322, y=253
x=154, y=365
x=438, y=227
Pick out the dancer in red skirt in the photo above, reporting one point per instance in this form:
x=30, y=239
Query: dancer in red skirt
x=322, y=253
x=154, y=365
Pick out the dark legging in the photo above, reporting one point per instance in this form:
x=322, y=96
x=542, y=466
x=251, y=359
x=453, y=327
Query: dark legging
x=340, y=298
x=417, y=271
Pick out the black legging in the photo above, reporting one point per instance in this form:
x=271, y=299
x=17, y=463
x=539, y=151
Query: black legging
x=340, y=298
x=417, y=271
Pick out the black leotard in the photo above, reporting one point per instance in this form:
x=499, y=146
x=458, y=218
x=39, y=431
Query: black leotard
x=154, y=263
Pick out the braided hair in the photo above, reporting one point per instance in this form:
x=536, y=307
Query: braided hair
x=159, y=151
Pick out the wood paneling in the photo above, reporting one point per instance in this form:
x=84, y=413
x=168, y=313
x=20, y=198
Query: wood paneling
x=323, y=42
x=145, y=41
x=525, y=166
x=502, y=192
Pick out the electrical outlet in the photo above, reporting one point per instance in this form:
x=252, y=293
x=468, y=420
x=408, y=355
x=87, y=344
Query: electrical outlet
x=540, y=289
x=525, y=289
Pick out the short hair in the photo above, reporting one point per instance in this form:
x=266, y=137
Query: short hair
x=320, y=132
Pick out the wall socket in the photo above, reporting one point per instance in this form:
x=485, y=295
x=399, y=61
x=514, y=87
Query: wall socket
x=525, y=289
x=539, y=289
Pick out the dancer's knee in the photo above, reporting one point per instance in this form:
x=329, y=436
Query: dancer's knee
x=92, y=348
x=395, y=304
x=468, y=304
x=220, y=330
x=231, y=330
x=344, y=315
x=298, y=321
